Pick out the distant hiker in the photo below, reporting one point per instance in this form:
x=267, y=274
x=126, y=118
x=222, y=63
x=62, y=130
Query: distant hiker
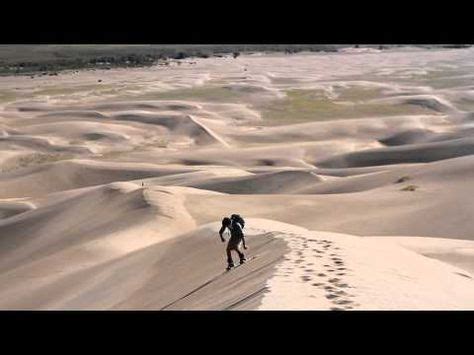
x=236, y=239
x=142, y=184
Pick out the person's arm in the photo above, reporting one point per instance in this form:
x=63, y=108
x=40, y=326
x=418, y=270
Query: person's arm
x=220, y=233
x=243, y=242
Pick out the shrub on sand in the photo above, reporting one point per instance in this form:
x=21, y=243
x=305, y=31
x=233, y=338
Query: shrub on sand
x=402, y=179
x=409, y=188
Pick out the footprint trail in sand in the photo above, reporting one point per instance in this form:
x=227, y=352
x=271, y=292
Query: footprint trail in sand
x=317, y=269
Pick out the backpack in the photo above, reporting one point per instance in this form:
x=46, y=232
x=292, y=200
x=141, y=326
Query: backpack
x=238, y=219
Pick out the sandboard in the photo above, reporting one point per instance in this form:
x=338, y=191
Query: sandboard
x=246, y=262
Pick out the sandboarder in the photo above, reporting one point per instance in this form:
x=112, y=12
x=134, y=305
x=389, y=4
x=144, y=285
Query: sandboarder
x=236, y=239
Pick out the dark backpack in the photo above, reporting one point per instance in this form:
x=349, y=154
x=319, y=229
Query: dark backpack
x=238, y=219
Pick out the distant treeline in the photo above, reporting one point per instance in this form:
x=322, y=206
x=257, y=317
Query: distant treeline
x=49, y=59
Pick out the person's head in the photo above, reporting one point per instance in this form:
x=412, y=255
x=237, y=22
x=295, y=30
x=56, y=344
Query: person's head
x=226, y=222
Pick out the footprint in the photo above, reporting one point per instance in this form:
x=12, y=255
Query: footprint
x=334, y=280
x=321, y=274
x=340, y=274
x=317, y=284
x=309, y=270
x=342, y=285
x=343, y=302
x=306, y=278
x=331, y=296
x=337, y=309
x=464, y=275
x=341, y=268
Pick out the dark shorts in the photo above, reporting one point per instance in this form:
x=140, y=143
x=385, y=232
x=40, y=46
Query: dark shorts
x=234, y=244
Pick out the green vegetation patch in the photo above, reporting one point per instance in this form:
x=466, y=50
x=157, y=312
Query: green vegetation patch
x=313, y=105
x=9, y=96
x=54, y=90
x=200, y=93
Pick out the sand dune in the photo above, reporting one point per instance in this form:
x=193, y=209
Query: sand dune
x=38, y=144
x=353, y=170
x=87, y=131
x=72, y=174
x=11, y=208
x=296, y=155
x=121, y=106
x=368, y=129
x=408, y=137
x=413, y=153
x=157, y=277
x=60, y=224
x=426, y=101
x=70, y=114
x=180, y=124
x=278, y=183
x=385, y=207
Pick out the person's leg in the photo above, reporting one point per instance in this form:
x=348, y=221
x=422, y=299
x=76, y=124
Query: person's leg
x=238, y=249
x=230, y=262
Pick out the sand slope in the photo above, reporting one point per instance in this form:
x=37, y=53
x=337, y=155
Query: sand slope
x=311, y=270
x=353, y=170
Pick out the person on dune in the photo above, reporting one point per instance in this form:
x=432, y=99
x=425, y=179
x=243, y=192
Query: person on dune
x=237, y=239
